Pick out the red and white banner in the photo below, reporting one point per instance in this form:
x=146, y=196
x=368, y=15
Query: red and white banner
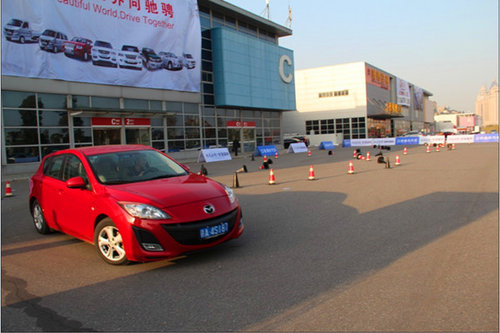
x=43, y=39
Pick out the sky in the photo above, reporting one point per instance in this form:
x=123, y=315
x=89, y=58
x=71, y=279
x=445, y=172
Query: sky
x=447, y=47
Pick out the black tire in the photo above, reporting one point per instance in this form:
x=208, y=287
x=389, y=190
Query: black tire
x=38, y=218
x=109, y=243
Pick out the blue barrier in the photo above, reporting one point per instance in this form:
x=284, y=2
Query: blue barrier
x=269, y=150
x=328, y=145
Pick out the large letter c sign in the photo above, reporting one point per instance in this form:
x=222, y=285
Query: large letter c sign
x=286, y=78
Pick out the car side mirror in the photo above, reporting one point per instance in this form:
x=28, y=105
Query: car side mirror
x=76, y=182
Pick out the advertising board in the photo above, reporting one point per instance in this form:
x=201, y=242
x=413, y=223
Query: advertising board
x=138, y=43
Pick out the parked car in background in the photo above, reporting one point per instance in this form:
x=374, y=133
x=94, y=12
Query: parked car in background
x=78, y=47
x=52, y=40
x=287, y=141
x=129, y=57
x=20, y=31
x=188, y=61
x=150, y=59
x=414, y=133
x=171, y=61
x=133, y=202
x=103, y=54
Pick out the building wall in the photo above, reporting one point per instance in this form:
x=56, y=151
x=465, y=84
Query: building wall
x=323, y=88
x=358, y=95
x=250, y=72
x=487, y=105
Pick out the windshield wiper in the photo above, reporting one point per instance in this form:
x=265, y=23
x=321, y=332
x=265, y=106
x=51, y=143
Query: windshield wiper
x=164, y=176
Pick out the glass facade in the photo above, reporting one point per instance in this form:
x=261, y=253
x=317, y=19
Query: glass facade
x=35, y=123
x=352, y=128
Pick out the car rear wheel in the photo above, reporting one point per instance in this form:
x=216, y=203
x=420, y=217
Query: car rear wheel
x=38, y=218
x=109, y=243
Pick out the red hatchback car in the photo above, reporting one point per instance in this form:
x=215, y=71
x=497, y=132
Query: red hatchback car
x=133, y=202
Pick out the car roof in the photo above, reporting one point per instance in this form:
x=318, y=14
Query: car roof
x=96, y=150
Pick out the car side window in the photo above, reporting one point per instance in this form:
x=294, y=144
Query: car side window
x=54, y=166
x=74, y=168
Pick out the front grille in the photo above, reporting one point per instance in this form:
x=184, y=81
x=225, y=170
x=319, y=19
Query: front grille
x=189, y=233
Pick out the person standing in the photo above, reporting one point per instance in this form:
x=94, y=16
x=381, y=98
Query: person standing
x=236, y=145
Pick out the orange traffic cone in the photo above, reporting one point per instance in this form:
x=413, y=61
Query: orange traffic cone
x=351, y=168
x=453, y=147
x=355, y=154
x=8, y=190
x=276, y=155
x=265, y=158
x=272, y=180
x=397, y=162
x=437, y=148
x=405, y=151
x=428, y=149
x=309, y=153
x=368, y=156
x=311, y=173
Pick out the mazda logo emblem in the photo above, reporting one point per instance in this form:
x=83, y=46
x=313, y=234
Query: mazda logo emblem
x=209, y=209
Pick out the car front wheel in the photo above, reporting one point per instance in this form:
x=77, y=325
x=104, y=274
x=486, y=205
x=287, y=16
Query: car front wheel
x=38, y=218
x=109, y=243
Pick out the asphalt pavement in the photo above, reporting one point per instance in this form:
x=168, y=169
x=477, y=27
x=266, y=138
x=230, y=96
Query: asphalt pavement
x=412, y=248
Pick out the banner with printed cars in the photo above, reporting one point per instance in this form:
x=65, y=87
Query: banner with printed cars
x=138, y=43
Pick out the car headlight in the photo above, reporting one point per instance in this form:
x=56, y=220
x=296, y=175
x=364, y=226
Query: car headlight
x=230, y=194
x=144, y=211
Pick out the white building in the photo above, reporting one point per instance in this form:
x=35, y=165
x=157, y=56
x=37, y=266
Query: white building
x=487, y=106
x=356, y=100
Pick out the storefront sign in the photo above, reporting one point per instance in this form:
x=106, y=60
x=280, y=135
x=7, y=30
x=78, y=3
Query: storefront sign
x=107, y=122
x=240, y=124
x=288, y=77
x=269, y=150
x=113, y=34
x=392, y=108
x=377, y=78
x=214, y=155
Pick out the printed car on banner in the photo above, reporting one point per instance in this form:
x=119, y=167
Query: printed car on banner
x=90, y=30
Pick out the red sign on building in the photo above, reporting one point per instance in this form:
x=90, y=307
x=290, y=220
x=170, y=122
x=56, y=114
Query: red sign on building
x=239, y=124
x=99, y=121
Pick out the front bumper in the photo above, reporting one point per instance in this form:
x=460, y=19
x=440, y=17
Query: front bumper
x=150, y=240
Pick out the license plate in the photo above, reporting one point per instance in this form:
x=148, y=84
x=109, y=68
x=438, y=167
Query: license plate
x=214, y=231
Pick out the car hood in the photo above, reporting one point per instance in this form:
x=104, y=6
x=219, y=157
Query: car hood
x=168, y=192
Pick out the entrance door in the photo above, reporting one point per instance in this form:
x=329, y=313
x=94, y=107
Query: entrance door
x=141, y=136
x=248, y=139
x=245, y=136
x=107, y=136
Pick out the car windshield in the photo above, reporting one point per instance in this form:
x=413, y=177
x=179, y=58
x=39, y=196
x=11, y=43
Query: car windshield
x=50, y=33
x=130, y=48
x=103, y=44
x=133, y=166
x=14, y=22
